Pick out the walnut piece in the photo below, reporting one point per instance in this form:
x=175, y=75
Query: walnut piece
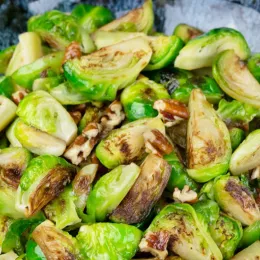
x=185, y=195
x=76, y=115
x=19, y=95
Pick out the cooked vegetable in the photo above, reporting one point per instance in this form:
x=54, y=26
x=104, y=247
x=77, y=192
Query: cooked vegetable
x=186, y=32
x=237, y=136
x=33, y=251
x=47, y=84
x=250, y=235
x=5, y=57
x=250, y=253
x=6, y=86
x=208, y=140
x=9, y=256
x=201, y=51
x=253, y=65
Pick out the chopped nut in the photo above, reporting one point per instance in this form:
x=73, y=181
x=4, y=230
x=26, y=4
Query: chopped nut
x=76, y=115
x=72, y=51
x=156, y=143
x=171, y=112
x=185, y=195
x=19, y=95
x=256, y=173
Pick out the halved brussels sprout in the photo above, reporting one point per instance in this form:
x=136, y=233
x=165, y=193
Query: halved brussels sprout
x=145, y=192
x=138, y=98
x=42, y=181
x=47, y=84
x=250, y=235
x=186, y=32
x=207, y=191
x=237, y=136
x=26, y=75
x=110, y=190
x=246, y=156
x=178, y=229
x=5, y=222
x=126, y=144
x=6, y=86
x=108, y=241
x=5, y=57
x=137, y=20
x=10, y=134
x=236, y=200
x=235, y=79
x=54, y=243
x=41, y=110
x=178, y=133
x=253, y=65
x=7, y=111
x=201, y=51
x=208, y=140
x=101, y=74
x=250, y=253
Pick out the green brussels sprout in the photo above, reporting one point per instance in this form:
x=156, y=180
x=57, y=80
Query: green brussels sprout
x=36, y=141
x=47, y=84
x=126, y=144
x=92, y=17
x=237, y=136
x=108, y=241
x=39, y=109
x=227, y=233
x=250, y=235
x=110, y=190
x=186, y=32
x=246, y=156
x=137, y=20
x=26, y=75
x=56, y=28
x=55, y=243
x=235, y=79
x=250, y=253
x=207, y=191
x=236, y=200
x=5, y=223
x=10, y=134
x=138, y=98
x=7, y=112
x=208, y=140
x=201, y=51
x=42, y=181
x=6, y=86
x=253, y=65
x=5, y=57
x=178, y=228
x=179, y=176
x=33, y=251
x=101, y=74
x=146, y=191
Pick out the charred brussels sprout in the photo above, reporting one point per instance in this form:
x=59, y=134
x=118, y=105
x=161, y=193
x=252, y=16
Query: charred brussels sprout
x=186, y=32
x=201, y=51
x=236, y=200
x=110, y=190
x=138, y=99
x=250, y=235
x=43, y=180
x=92, y=17
x=6, y=86
x=178, y=229
x=126, y=144
x=250, y=253
x=253, y=65
x=101, y=74
x=237, y=135
x=208, y=140
x=108, y=241
x=39, y=109
x=5, y=57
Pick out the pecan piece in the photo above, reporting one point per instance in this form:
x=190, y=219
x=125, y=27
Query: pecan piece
x=76, y=115
x=19, y=95
x=185, y=195
x=72, y=51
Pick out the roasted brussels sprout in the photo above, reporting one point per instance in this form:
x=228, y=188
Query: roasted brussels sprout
x=39, y=109
x=10, y=134
x=201, y=51
x=47, y=84
x=250, y=253
x=253, y=65
x=6, y=86
x=236, y=200
x=178, y=229
x=145, y=192
x=208, y=140
x=138, y=98
x=108, y=241
x=250, y=235
x=237, y=135
x=126, y=144
x=5, y=57
x=186, y=32
x=42, y=181
x=101, y=74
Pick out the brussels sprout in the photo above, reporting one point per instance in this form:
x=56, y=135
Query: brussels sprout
x=186, y=32
x=236, y=200
x=7, y=111
x=108, y=241
x=110, y=190
x=237, y=135
x=250, y=253
x=145, y=192
x=47, y=84
x=100, y=74
x=26, y=75
x=36, y=141
x=246, y=156
x=201, y=51
x=253, y=65
x=33, y=251
x=178, y=229
x=126, y=144
x=54, y=243
x=42, y=181
x=178, y=133
x=137, y=20
x=92, y=17
x=138, y=98
x=5, y=57
x=5, y=222
x=41, y=110
x=56, y=28
x=10, y=134
x=227, y=233
x=250, y=235
x=207, y=191
x=6, y=86
x=208, y=140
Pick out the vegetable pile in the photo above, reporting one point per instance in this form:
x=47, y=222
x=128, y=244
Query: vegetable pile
x=119, y=142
